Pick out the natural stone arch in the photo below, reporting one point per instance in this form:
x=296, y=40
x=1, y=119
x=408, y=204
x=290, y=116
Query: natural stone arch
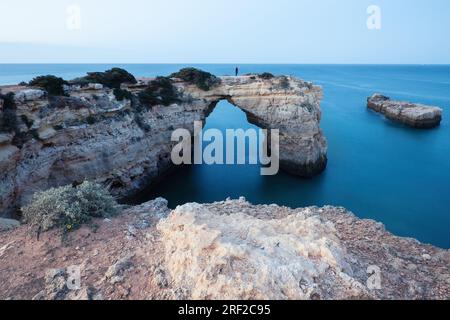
x=93, y=136
x=284, y=103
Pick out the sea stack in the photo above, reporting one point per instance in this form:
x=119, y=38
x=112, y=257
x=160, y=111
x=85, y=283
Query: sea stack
x=412, y=114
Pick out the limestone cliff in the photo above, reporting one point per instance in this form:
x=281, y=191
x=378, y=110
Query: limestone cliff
x=124, y=145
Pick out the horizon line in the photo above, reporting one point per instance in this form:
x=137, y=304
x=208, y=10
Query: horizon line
x=227, y=63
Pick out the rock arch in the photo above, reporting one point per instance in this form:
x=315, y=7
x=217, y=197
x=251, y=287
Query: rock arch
x=285, y=103
x=92, y=136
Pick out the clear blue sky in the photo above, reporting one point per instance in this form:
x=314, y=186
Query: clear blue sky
x=225, y=31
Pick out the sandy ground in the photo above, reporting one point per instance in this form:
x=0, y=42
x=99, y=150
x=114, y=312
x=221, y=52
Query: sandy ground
x=24, y=260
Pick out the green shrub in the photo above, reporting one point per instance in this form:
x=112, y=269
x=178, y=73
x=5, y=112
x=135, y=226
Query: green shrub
x=112, y=78
x=91, y=120
x=81, y=81
x=53, y=85
x=203, y=80
x=160, y=91
x=8, y=118
x=266, y=76
x=68, y=207
x=284, y=83
x=8, y=100
x=121, y=94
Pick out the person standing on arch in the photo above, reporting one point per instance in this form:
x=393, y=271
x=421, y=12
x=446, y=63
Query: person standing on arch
x=237, y=71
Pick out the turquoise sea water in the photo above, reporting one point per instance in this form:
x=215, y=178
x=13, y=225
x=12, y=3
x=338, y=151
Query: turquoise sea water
x=377, y=169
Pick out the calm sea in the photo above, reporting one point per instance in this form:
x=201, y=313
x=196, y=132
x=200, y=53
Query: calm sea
x=377, y=169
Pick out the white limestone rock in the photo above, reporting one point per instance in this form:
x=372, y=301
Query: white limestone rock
x=29, y=95
x=240, y=256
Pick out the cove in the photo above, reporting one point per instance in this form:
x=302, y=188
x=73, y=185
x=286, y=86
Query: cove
x=376, y=168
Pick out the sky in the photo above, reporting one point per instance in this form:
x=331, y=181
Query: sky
x=225, y=31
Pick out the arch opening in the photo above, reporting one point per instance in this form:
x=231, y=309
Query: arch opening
x=212, y=182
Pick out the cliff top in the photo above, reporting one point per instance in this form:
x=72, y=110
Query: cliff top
x=228, y=249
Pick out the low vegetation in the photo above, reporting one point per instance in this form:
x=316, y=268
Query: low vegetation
x=69, y=207
x=52, y=84
x=284, y=83
x=122, y=94
x=160, y=91
x=8, y=117
x=266, y=76
x=112, y=78
x=29, y=123
x=203, y=80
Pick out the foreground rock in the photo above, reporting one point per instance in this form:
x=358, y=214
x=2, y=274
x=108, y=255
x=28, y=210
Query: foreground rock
x=225, y=250
x=411, y=114
x=8, y=224
x=124, y=145
x=235, y=255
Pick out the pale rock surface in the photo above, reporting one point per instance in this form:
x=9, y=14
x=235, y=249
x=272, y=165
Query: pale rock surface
x=412, y=114
x=239, y=256
x=27, y=95
x=233, y=249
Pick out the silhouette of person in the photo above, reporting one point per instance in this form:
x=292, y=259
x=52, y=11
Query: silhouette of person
x=237, y=71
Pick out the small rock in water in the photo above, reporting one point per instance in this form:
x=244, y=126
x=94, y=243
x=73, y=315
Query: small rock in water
x=412, y=114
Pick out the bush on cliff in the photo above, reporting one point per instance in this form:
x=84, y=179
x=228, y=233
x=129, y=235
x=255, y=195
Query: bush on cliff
x=122, y=94
x=266, y=76
x=112, y=78
x=284, y=83
x=8, y=117
x=203, y=80
x=53, y=85
x=160, y=91
x=69, y=207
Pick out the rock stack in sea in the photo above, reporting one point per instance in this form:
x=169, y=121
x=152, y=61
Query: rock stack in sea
x=411, y=114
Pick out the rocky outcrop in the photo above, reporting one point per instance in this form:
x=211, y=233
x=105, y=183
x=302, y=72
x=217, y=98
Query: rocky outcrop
x=125, y=146
x=234, y=255
x=8, y=224
x=224, y=250
x=233, y=249
x=412, y=114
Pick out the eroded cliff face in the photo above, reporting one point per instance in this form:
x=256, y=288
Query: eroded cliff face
x=124, y=145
